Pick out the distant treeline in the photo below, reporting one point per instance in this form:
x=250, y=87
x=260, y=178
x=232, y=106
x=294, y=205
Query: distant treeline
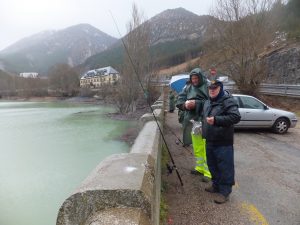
x=11, y=85
x=61, y=81
x=175, y=52
x=164, y=54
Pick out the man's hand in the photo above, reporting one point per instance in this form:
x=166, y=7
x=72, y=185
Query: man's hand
x=210, y=120
x=190, y=104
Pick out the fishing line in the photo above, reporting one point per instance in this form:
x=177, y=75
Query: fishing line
x=144, y=91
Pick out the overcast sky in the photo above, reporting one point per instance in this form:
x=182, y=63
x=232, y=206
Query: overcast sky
x=22, y=18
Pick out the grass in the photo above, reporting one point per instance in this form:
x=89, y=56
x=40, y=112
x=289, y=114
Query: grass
x=163, y=210
x=163, y=205
x=164, y=159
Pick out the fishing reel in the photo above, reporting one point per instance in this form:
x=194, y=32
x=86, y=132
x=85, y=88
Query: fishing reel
x=170, y=168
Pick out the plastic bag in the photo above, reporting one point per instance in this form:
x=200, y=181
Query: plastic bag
x=197, y=127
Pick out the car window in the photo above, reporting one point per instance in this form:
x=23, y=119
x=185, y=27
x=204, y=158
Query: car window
x=251, y=103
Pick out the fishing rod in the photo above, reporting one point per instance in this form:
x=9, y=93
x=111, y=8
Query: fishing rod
x=144, y=91
x=178, y=139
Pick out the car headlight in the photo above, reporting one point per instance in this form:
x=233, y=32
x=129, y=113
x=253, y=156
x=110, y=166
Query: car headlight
x=294, y=117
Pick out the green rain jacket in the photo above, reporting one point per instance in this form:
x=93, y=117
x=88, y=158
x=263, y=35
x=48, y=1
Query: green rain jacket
x=190, y=92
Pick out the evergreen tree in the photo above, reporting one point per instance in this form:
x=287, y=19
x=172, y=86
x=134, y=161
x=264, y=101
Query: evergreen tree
x=292, y=19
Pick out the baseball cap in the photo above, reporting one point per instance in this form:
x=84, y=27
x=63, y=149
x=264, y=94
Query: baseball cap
x=215, y=83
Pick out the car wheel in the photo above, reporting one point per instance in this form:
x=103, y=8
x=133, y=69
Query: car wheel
x=281, y=126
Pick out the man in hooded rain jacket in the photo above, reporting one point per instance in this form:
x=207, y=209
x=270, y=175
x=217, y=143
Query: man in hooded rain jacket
x=191, y=101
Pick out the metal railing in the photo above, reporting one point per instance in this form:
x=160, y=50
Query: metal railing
x=270, y=89
x=281, y=89
x=273, y=89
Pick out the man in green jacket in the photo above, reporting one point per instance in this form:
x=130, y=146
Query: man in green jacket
x=191, y=101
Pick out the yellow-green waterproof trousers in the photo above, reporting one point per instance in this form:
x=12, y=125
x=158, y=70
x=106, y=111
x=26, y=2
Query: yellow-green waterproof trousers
x=199, y=145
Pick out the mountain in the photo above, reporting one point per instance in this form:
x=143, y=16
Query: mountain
x=39, y=52
x=174, y=24
x=174, y=34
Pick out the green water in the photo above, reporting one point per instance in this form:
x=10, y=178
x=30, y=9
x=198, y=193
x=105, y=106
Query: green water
x=46, y=150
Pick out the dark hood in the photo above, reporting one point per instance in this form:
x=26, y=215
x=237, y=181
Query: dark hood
x=226, y=94
x=202, y=78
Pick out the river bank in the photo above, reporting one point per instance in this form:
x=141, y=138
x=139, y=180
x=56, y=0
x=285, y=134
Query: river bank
x=55, y=99
x=132, y=132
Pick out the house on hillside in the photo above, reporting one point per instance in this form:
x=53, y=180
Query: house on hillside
x=29, y=75
x=98, y=77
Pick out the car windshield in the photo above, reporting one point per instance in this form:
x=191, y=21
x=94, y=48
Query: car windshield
x=251, y=103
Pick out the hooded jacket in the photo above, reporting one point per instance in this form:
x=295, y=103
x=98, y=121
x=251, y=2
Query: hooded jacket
x=197, y=93
x=226, y=114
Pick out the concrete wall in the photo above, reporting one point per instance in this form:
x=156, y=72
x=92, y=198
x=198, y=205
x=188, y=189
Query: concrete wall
x=123, y=188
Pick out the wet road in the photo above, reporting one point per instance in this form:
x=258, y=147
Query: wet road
x=268, y=176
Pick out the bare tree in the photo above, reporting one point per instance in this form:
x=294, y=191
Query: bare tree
x=136, y=63
x=241, y=30
x=64, y=80
x=7, y=86
x=13, y=85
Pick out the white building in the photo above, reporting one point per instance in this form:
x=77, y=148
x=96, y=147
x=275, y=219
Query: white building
x=97, y=77
x=29, y=75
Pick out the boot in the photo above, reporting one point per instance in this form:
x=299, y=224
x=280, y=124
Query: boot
x=205, y=179
x=220, y=199
x=211, y=189
x=196, y=172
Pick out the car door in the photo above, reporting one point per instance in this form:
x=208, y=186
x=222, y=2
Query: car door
x=241, y=110
x=254, y=113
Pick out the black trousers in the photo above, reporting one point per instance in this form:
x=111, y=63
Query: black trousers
x=220, y=161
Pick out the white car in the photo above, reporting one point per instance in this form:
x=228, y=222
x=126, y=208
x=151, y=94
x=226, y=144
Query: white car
x=256, y=114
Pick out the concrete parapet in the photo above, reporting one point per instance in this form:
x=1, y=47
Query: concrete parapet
x=148, y=140
x=120, y=181
x=157, y=106
x=119, y=216
x=149, y=117
x=158, y=102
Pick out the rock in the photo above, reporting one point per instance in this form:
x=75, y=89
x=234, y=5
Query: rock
x=284, y=65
